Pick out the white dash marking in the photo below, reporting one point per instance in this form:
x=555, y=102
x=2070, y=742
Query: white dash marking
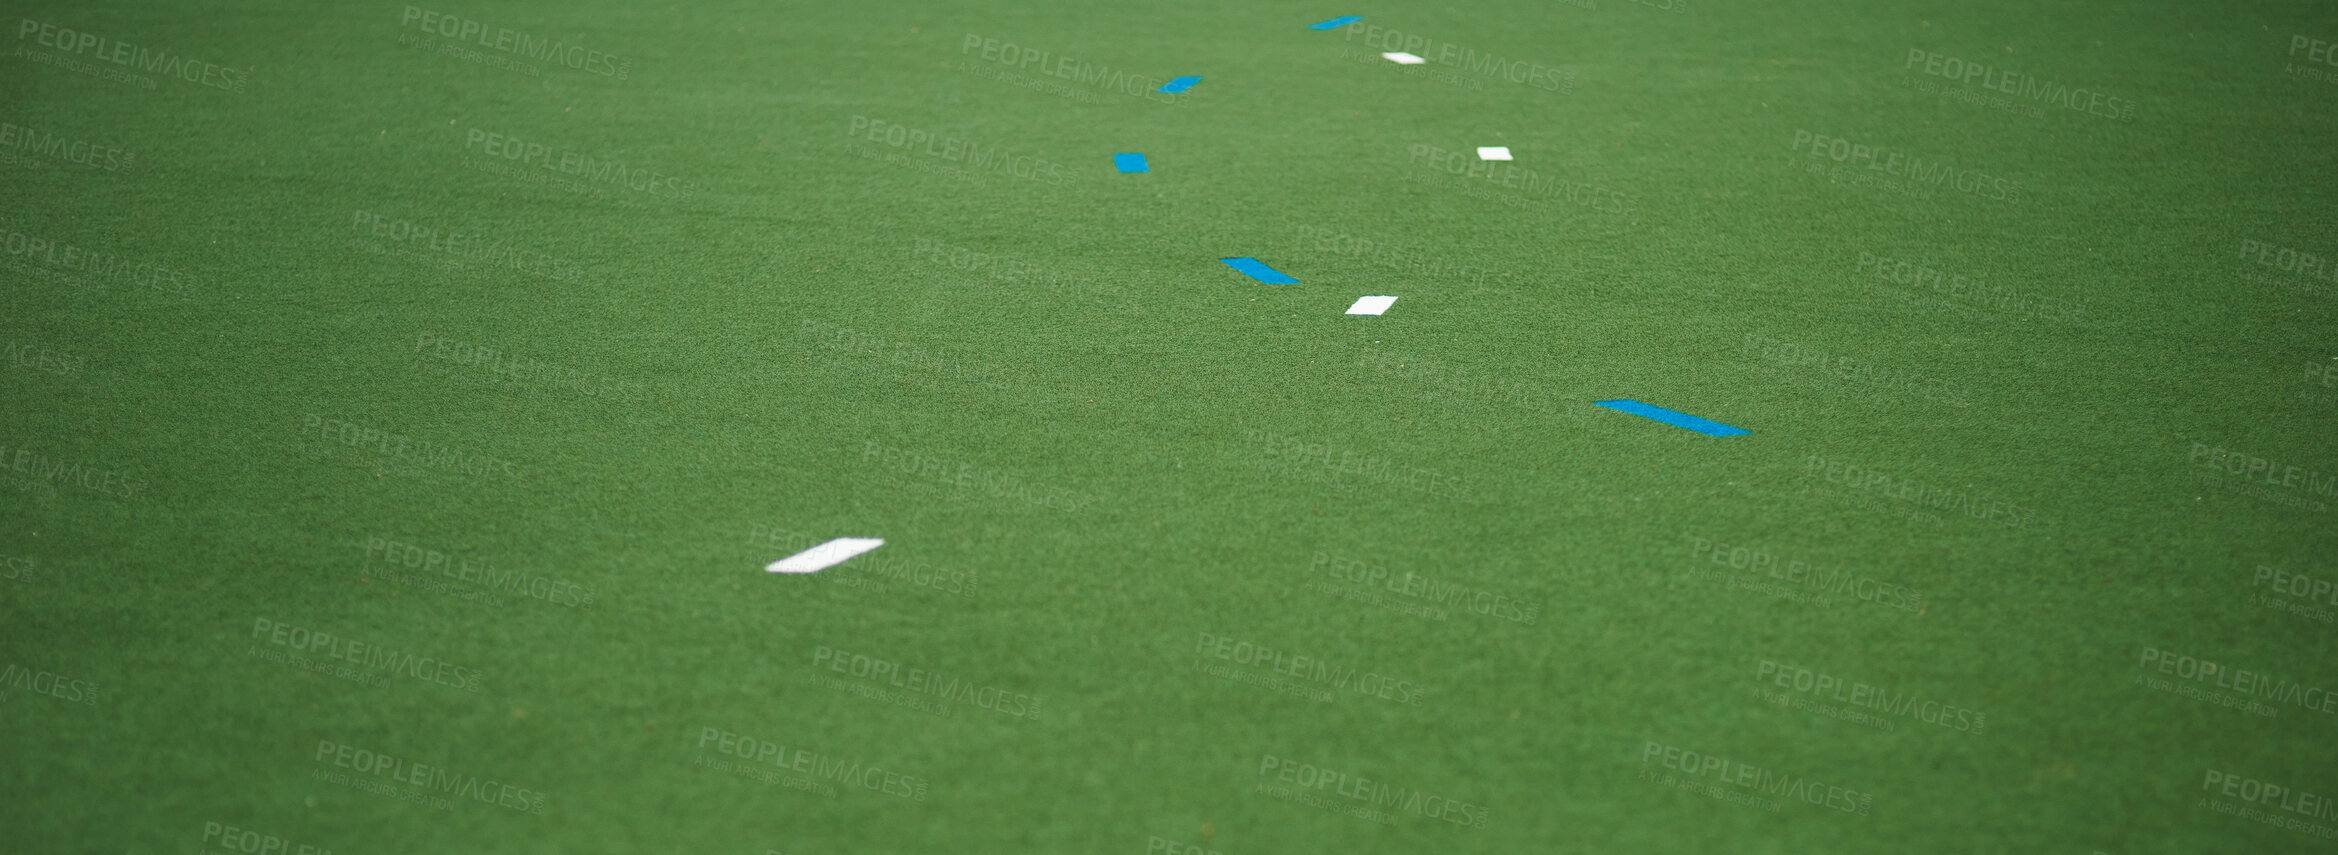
x=825, y=555
x=1402, y=58
x=1371, y=305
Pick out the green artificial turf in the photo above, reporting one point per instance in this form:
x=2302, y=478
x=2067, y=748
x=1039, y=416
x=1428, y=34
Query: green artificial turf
x=321, y=358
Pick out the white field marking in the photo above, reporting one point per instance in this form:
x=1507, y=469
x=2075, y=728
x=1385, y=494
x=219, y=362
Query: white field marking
x=1371, y=305
x=1402, y=58
x=825, y=555
x=1493, y=152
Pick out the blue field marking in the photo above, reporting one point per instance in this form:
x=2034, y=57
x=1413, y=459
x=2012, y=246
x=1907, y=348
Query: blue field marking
x=1675, y=419
x=1336, y=23
x=1180, y=84
x=1254, y=269
x=1131, y=162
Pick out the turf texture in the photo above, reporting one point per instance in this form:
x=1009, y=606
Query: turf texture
x=402, y=404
